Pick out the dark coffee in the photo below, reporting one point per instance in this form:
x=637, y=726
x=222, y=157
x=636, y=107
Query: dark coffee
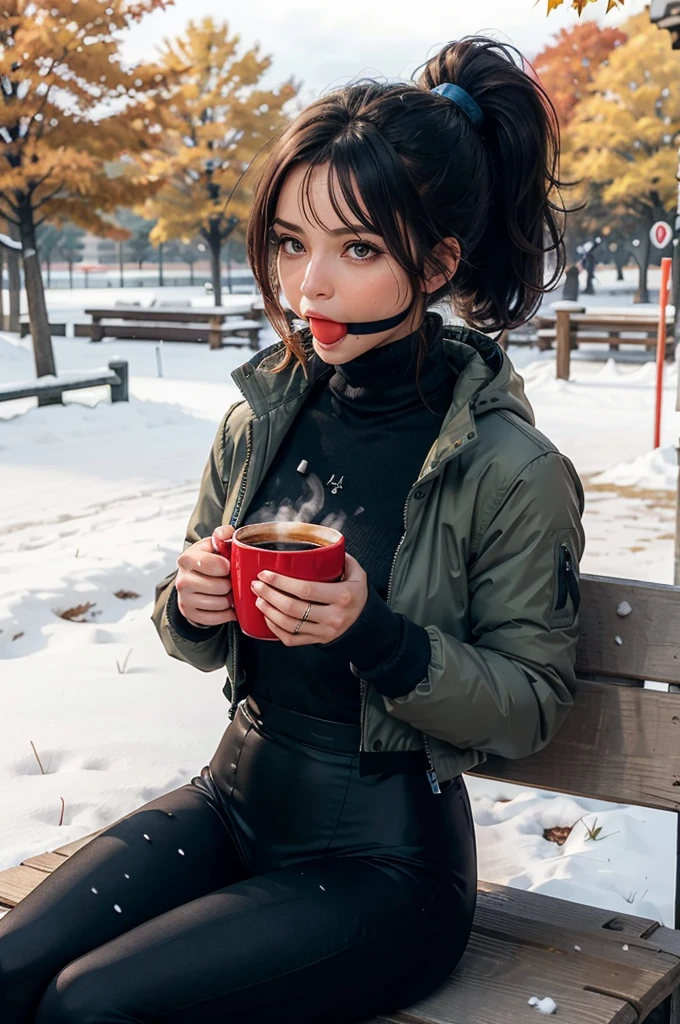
x=285, y=545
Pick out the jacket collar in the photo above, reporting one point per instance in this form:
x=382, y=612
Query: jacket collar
x=486, y=381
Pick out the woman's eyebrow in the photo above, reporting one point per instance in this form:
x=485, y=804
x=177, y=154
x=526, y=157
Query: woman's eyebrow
x=353, y=229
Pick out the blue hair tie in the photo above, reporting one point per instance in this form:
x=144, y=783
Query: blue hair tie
x=463, y=100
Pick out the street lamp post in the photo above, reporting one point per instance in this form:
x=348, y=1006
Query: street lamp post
x=666, y=14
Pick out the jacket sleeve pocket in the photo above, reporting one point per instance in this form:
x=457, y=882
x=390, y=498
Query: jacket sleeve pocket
x=567, y=590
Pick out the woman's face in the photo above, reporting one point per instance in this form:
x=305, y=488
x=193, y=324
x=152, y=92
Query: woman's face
x=345, y=275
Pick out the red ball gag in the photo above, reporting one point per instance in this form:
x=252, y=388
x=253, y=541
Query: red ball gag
x=327, y=331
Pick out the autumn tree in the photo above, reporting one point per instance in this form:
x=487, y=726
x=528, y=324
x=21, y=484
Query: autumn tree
x=622, y=137
x=60, y=67
x=218, y=122
x=566, y=68
x=568, y=65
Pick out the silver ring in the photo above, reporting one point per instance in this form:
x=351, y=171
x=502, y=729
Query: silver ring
x=297, y=628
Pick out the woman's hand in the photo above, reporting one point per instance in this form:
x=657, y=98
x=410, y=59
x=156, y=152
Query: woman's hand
x=203, y=583
x=335, y=606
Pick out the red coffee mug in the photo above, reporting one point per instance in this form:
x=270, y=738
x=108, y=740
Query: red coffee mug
x=323, y=563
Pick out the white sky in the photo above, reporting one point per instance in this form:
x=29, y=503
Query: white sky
x=327, y=45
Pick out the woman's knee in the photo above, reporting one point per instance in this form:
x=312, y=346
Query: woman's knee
x=73, y=997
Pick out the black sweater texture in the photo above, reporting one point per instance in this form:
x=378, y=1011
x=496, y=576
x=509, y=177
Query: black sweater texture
x=364, y=433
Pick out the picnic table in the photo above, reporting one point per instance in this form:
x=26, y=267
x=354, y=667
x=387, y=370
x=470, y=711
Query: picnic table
x=571, y=324
x=218, y=325
x=621, y=743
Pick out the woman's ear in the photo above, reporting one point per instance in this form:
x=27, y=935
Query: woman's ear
x=447, y=252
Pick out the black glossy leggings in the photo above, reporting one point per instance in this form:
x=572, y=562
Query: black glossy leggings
x=278, y=885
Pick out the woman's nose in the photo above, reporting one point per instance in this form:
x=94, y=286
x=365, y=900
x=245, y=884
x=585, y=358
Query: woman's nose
x=317, y=279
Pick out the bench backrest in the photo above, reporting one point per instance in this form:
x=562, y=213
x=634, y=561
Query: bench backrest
x=621, y=742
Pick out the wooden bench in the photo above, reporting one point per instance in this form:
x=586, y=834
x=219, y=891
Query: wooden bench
x=621, y=743
x=56, y=330
x=49, y=390
x=570, y=326
x=219, y=326
x=524, y=335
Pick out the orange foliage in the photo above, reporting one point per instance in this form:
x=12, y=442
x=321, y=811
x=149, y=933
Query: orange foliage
x=566, y=68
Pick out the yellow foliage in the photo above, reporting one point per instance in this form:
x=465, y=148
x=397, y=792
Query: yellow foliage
x=67, y=106
x=580, y=5
x=623, y=137
x=217, y=126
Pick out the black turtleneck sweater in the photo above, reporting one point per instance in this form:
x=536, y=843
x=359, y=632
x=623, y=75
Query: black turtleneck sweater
x=367, y=430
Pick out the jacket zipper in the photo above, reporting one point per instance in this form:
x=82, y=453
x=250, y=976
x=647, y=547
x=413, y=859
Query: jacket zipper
x=394, y=560
x=234, y=521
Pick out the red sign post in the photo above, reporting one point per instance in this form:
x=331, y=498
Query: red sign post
x=661, y=346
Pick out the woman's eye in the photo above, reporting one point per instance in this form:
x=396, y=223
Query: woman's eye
x=284, y=241
x=363, y=251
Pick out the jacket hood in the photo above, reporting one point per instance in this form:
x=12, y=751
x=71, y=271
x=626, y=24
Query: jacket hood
x=486, y=380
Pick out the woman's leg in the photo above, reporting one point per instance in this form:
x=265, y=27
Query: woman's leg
x=115, y=883
x=332, y=940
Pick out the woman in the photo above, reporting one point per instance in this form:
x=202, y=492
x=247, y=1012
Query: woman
x=322, y=866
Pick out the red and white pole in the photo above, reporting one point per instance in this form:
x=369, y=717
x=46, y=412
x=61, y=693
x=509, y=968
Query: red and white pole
x=661, y=346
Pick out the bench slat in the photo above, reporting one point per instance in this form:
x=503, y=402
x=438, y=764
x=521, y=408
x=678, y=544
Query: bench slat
x=495, y=980
x=161, y=332
x=197, y=314
x=503, y=899
x=15, y=883
x=642, y=974
x=649, y=634
x=118, y=324
x=619, y=743
x=46, y=862
x=56, y=385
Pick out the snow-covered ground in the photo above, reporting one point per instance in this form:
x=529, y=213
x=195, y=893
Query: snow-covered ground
x=94, y=499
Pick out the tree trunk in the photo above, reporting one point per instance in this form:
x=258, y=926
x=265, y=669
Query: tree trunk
x=49, y=272
x=191, y=273
x=121, y=266
x=35, y=293
x=70, y=274
x=619, y=270
x=215, y=267
x=14, y=284
x=160, y=265
x=642, y=294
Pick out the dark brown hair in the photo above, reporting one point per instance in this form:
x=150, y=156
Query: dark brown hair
x=421, y=165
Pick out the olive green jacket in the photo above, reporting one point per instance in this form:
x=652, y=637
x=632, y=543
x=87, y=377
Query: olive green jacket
x=487, y=564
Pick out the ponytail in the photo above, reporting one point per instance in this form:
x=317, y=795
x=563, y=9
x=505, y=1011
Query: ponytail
x=501, y=280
